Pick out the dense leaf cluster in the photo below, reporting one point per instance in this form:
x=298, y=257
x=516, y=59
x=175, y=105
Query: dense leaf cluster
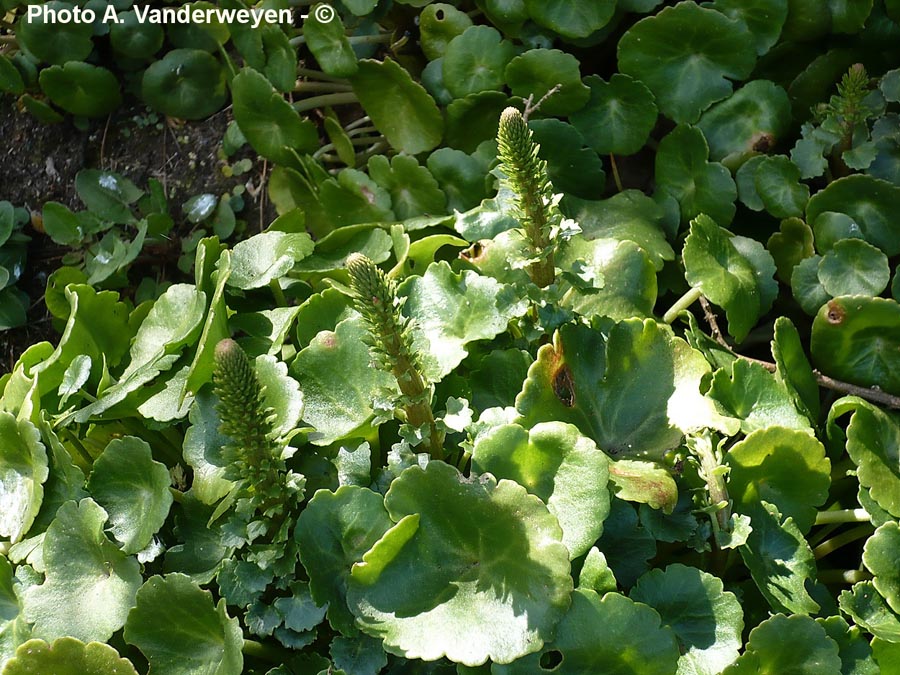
x=464, y=407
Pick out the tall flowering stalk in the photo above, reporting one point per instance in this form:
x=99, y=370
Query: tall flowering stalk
x=375, y=297
x=526, y=175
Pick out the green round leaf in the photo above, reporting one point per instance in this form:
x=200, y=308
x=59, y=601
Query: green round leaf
x=780, y=561
x=333, y=532
x=872, y=439
x=784, y=467
x=857, y=339
x=271, y=125
x=628, y=216
x=10, y=78
x=741, y=284
x=460, y=176
x=328, y=43
x=618, y=117
x=556, y=463
x=453, y=310
x=81, y=89
x=267, y=256
x=181, y=632
x=439, y=23
x=418, y=590
x=688, y=74
x=338, y=401
x=611, y=635
x=627, y=272
x=778, y=185
x=90, y=584
x=684, y=172
x=400, y=109
x=633, y=397
x=789, y=644
x=361, y=656
x=55, y=42
x=185, y=83
x=476, y=61
x=573, y=169
x=537, y=71
x=755, y=118
x=867, y=608
x=134, y=491
x=763, y=18
x=853, y=267
x=571, y=18
x=881, y=556
x=806, y=287
x=23, y=470
x=752, y=394
x=67, y=656
x=790, y=245
x=413, y=190
x=870, y=202
x=706, y=619
x=474, y=119
x=135, y=39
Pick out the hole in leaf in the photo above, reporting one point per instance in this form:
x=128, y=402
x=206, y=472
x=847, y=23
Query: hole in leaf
x=551, y=660
x=439, y=15
x=835, y=314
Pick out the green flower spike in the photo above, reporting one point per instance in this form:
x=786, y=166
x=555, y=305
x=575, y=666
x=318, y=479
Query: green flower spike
x=255, y=461
x=376, y=299
x=527, y=177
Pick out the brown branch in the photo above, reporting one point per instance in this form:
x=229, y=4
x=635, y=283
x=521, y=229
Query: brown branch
x=869, y=393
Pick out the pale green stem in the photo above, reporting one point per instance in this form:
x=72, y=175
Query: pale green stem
x=337, y=98
x=683, y=302
x=843, y=516
x=275, y=287
x=319, y=75
x=842, y=576
x=842, y=539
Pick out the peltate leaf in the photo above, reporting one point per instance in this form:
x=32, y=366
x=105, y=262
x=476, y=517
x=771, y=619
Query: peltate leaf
x=479, y=546
x=571, y=18
x=684, y=173
x=68, y=656
x=706, y=619
x=178, y=628
x=555, y=462
x=90, y=584
x=688, y=74
x=333, y=532
x=23, y=470
x=611, y=634
x=476, y=60
x=453, y=310
x=619, y=115
x=338, y=402
x=535, y=72
x=727, y=276
x=880, y=556
x=857, y=339
x=134, y=491
x=779, y=466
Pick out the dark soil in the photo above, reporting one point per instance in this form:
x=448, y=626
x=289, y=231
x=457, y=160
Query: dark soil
x=38, y=163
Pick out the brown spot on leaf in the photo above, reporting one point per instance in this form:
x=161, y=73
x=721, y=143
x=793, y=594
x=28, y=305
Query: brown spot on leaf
x=836, y=313
x=564, y=386
x=763, y=142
